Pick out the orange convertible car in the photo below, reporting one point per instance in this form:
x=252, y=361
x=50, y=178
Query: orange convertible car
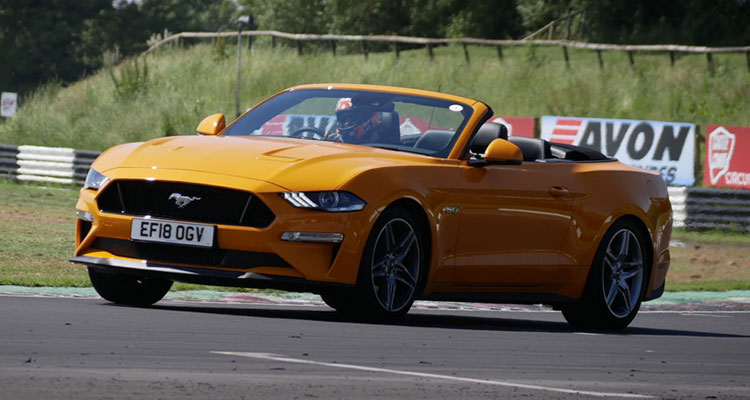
x=372, y=197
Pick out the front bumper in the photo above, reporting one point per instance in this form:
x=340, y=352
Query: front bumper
x=204, y=276
x=242, y=256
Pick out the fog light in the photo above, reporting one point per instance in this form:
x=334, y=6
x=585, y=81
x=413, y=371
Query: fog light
x=312, y=237
x=86, y=216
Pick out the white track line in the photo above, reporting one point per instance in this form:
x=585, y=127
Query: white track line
x=275, y=357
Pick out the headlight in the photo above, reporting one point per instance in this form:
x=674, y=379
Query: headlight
x=94, y=180
x=327, y=201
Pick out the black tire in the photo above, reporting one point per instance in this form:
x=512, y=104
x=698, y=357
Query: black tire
x=616, y=282
x=333, y=299
x=127, y=289
x=392, y=269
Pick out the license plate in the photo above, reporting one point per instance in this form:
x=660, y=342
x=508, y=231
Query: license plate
x=157, y=231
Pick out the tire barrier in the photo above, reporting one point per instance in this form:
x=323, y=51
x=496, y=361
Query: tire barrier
x=45, y=164
x=708, y=208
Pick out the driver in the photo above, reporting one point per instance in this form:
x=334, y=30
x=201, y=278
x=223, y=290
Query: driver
x=356, y=123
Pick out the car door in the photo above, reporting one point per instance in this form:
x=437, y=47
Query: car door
x=514, y=220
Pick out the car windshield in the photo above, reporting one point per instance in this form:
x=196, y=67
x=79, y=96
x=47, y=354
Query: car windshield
x=394, y=121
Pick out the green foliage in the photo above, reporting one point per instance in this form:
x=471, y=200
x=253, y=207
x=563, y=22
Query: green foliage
x=133, y=78
x=426, y=18
x=44, y=40
x=185, y=85
x=220, y=49
x=295, y=16
x=692, y=22
x=67, y=39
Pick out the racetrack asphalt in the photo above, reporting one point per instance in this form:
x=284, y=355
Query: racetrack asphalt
x=729, y=300
x=71, y=344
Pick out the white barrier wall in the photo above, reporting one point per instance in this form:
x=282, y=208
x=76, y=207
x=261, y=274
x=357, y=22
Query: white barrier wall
x=709, y=208
x=45, y=164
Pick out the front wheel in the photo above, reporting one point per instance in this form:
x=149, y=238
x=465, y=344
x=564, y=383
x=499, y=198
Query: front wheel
x=616, y=281
x=393, y=266
x=129, y=290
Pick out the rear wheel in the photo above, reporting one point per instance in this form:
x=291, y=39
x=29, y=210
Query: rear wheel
x=616, y=281
x=130, y=290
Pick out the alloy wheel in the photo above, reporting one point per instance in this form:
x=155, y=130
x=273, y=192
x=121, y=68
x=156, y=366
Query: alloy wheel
x=622, y=273
x=395, y=264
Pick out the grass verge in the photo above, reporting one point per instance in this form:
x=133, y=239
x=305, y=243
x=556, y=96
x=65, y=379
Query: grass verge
x=186, y=84
x=37, y=235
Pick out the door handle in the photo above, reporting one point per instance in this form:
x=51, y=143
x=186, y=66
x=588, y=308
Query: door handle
x=558, y=191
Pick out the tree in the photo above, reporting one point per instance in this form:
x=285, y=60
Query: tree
x=40, y=40
x=43, y=40
x=295, y=16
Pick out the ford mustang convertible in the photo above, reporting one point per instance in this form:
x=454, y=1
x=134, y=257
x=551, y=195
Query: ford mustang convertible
x=373, y=197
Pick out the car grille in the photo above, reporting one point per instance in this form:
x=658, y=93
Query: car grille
x=207, y=204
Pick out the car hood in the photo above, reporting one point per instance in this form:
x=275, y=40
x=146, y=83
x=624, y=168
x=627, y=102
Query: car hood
x=294, y=164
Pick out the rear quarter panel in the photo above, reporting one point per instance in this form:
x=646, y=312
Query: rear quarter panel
x=607, y=191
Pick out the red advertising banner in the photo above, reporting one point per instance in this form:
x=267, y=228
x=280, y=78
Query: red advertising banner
x=727, y=162
x=517, y=126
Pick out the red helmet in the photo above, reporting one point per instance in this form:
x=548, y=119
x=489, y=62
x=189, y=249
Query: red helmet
x=356, y=121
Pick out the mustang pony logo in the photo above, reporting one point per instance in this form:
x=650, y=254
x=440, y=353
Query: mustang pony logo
x=181, y=201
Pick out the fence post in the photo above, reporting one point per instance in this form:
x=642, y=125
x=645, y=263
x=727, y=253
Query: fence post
x=601, y=62
x=466, y=52
x=500, y=53
x=747, y=58
x=565, y=54
x=710, y=59
x=632, y=60
x=333, y=46
x=429, y=51
x=582, y=28
x=273, y=42
x=364, y=48
x=396, y=49
x=299, y=47
x=671, y=58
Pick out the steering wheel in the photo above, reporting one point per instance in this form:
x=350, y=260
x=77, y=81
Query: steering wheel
x=308, y=132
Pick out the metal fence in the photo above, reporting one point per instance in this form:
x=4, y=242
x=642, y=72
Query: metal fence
x=45, y=164
x=693, y=208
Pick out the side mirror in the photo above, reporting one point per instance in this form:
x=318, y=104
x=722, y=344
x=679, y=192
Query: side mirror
x=212, y=125
x=499, y=152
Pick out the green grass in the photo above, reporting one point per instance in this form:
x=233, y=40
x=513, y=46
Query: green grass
x=37, y=232
x=712, y=260
x=707, y=286
x=188, y=84
x=712, y=236
x=37, y=228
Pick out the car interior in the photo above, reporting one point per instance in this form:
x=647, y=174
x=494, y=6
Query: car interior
x=533, y=149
